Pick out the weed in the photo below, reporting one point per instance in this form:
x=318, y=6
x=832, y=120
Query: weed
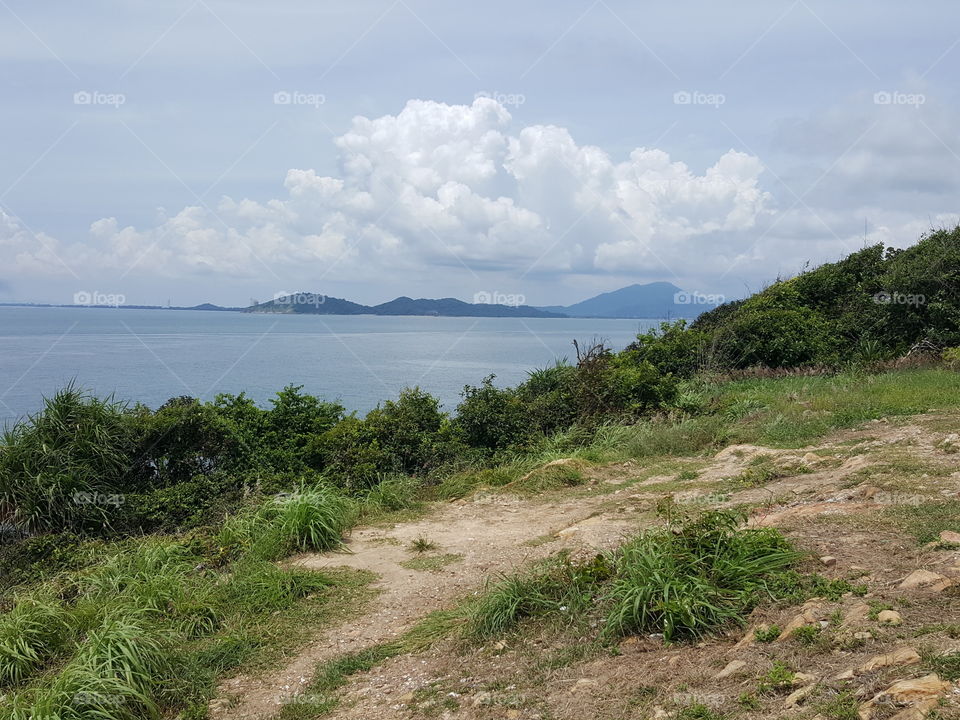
x=422, y=545
x=767, y=634
x=776, y=679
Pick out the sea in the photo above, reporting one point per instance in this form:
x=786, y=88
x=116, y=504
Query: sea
x=150, y=356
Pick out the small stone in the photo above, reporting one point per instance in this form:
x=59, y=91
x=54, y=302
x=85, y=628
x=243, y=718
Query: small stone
x=583, y=684
x=482, y=698
x=845, y=675
x=890, y=617
x=732, y=667
x=407, y=697
x=828, y=560
x=949, y=536
x=862, y=635
x=513, y=714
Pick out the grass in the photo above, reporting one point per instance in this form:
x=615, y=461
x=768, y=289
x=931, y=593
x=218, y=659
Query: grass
x=685, y=580
x=841, y=706
x=767, y=634
x=925, y=520
x=946, y=665
x=150, y=628
x=422, y=545
x=431, y=563
x=690, y=580
x=310, y=518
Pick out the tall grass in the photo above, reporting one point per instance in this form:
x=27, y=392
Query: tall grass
x=310, y=518
x=53, y=461
x=30, y=634
x=687, y=581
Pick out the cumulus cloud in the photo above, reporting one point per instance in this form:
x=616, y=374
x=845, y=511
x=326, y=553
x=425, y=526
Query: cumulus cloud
x=448, y=185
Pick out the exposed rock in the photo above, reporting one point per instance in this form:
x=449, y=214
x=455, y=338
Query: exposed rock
x=950, y=444
x=798, y=696
x=890, y=617
x=828, y=560
x=919, y=696
x=808, y=615
x=732, y=667
x=845, y=675
x=801, y=678
x=902, y=656
x=925, y=579
x=949, y=536
x=856, y=614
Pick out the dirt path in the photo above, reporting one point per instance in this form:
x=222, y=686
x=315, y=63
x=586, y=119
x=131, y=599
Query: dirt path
x=491, y=533
x=495, y=533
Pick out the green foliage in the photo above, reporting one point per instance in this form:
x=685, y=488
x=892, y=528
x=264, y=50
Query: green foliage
x=767, y=635
x=554, y=586
x=776, y=679
x=57, y=465
x=671, y=349
x=690, y=580
x=309, y=518
x=30, y=634
x=492, y=418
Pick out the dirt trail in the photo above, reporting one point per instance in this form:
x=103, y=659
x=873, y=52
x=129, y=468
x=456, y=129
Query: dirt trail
x=492, y=534
x=495, y=533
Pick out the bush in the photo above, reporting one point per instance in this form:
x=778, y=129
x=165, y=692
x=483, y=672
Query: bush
x=687, y=581
x=55, y=465
x=309, y=518
x=492, y=418
x=672, y=348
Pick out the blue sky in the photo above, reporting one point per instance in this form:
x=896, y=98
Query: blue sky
x=223, y=151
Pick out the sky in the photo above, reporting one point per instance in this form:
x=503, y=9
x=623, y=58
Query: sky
x=230, y=151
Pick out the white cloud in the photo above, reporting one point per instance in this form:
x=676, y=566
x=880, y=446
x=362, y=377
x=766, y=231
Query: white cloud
x=449, y=185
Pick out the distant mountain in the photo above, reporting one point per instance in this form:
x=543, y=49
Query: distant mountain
x=309, y=304
x=653, y=300
x=451, y=307
x=315, y=304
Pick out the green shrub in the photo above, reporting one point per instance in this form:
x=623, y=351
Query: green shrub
x=691, y=580
x=309, y=518
x=63, y=467
x=492, y=418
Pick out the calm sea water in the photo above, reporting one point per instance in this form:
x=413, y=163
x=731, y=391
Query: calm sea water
x=152, y=355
